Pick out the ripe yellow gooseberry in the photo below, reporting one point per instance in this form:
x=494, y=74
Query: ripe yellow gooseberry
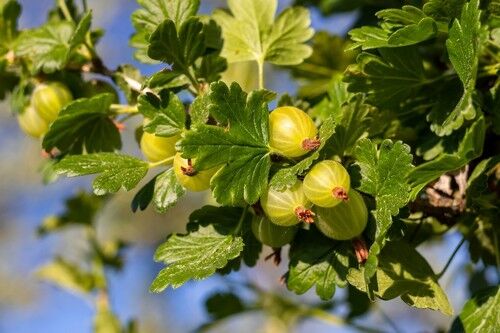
x=289, y=207
x=292, y=132
x=344, y=221
x=31, y=123
x=49, y=98
x=327, y=184
x=157, y=148
x=190, y=178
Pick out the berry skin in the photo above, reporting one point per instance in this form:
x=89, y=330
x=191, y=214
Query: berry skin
x=327, y=184
x=344, y=221
x=271, y=234
x=157, y=148
x=292, y=132
x=32, y=124
x=48, y=99
x=289, y=207
x=190, y=178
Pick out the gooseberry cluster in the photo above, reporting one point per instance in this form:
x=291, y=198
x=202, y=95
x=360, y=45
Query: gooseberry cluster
x=324, y=197
x=47, y=100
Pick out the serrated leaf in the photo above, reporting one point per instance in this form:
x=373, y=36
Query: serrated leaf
x=400, y=27
x=250, y=34
x=404, y=272
x=128, y=78
x=241, y=147
x=470, y=148
x=463, y=47
x=443, y=10
x=229, y=220
x=167, y=191
x=317, y=260
x=389, y=80
x=384, y=176
x=151, y=14
x=84, y=124
x=50, y=46
x=144, y=196
x=480, y=314
x=286, y=177
x=194, y=256
x=66, y=275
x=166, y=115
x=115, y=171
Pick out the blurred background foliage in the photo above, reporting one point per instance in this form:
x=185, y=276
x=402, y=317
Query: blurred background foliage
x=257, y=296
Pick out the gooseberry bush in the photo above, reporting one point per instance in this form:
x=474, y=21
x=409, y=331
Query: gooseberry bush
x=392, y=141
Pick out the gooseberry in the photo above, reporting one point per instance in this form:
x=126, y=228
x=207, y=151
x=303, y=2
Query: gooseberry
x=271, y=234
x=31, y=123
x=345, y=221
x=327, y=184
x=289, y=207
x=157, y=148
x=49, y=98
x=190, y=178
x=292, y=132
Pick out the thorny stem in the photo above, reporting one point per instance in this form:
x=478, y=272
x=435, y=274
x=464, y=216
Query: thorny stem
x=162, y=162
x=451, y=258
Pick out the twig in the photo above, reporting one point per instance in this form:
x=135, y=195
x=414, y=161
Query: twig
x=438, y=276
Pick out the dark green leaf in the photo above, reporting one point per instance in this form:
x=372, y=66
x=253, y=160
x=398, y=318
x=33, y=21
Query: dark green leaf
x=404, y=272
x=144, y=196
x=151, y=14
x=384, y=176
x=242, y=146
x=194, y=256
x=115, y=171
x=317, y=260
x=166, y=115
x=9, y=14
x=84, y=124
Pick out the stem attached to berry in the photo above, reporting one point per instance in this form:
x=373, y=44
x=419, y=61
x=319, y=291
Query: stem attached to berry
x=360, y=249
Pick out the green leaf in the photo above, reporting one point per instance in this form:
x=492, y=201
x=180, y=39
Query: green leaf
x=480, y=314
x=196, y=255
x=286, y=177
x=317, y=260
x=126, y=77
x=242, y=146
x=66, y=275
x=478, y=193
x=463, y=47
x=166, y=115
x=400, y=27
x=9, y=14
x=116, y=171
x=229, y=220
x=167, y=191
x=404, y=272
x=51, y=45
x=151, y=14
x=470, y=148
x=80, y=210
x=384, y=173
x=223, y=305
x=389, y=80
x=178, y=49
x=84, y=124
x=250, y=34
x=144, y=196
x=443, y=10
